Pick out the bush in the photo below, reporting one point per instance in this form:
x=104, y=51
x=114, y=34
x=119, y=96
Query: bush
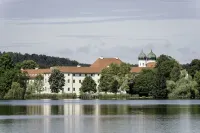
x=15, y=92
x=114, y=96
x=52, y=96
x=85, y=96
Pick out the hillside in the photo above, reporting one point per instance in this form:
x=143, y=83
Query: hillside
x=43, y=60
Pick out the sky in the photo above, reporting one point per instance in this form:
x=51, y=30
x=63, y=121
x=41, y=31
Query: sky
x=84, y=30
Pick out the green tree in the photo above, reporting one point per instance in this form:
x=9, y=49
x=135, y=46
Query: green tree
x=28, y=64
x=197, y=79
x=175, y=73
x=114, y=86
x=38, y=83
x=194, y=66
x=105, y=83
x=88, y=85
x=6, y=62
x=56, y=81
x=145, y=82
x=16, y=92
x=7, y=73
x=185, y=87
x=160, y=89
x=162, y=58
x=120, y=73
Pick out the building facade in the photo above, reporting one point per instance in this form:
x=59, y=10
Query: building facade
x=75, y=75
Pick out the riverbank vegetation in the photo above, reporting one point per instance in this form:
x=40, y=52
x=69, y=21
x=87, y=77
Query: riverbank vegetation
x=168, y=80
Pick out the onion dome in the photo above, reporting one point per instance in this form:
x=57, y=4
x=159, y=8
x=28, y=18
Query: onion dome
x=142, y=56
x=151, y=56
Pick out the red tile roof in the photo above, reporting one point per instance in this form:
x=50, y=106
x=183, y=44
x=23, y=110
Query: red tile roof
x=96, y=67
x=104, y=62
x=139, y=69
x=151, y=64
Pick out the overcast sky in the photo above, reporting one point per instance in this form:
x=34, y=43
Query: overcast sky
x=84, y=30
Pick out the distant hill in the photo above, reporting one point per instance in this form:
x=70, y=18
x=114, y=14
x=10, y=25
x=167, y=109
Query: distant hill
x=42, y=60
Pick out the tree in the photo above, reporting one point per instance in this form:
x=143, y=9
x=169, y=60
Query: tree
x=7, y=73
x=38, y=83
x=194, y=66
x=43, y=60
x=114, y=86
x=145, y=82
x=28, y=64
x=120, y=73
x=175, y=73
x=160, y=89
x=166, y=64
x=162, y=58
x=197, y=79
x=105, y=83
x=88, y=85
x=6, y=62
x=185, y=87
x=16, y=92
x=56, y=81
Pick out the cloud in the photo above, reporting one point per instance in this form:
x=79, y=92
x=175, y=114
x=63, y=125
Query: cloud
x=87, y=36
x=126, y=10
x=12, y=46
x=65, y=52
x=154, y=9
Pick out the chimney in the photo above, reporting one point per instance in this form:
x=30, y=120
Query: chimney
x=101, y=57
x=36, y=68
x=116, y=58
x=78, y=65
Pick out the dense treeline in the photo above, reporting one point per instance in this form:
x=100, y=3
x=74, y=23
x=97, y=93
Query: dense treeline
x=168, y=79
x=42, y=60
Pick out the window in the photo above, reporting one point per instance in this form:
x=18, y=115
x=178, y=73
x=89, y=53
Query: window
x=68, y=80
x=79, y=74
x=79, y=81
x=68, y=89
x=68, y=74
x=91, y=74
x=74, y=81
x=98, y=74
x=73, y=74
x=73, y=89
x=85, y=74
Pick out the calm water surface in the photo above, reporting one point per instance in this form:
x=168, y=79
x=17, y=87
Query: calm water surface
x=99, y=116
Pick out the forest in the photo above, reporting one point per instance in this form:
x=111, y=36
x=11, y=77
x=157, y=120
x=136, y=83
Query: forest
x=43, y=61
x=168, y=80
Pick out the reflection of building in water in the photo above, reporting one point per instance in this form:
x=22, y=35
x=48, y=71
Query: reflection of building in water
x=47, y=112
x=44, y=110
x=75, y=114
x=72, y=114
x=97, y=114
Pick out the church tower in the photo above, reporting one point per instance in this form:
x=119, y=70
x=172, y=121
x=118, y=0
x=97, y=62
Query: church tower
x=151, y=57
x=142, y=59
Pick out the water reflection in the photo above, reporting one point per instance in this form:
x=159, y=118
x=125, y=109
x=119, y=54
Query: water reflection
x=98, y=118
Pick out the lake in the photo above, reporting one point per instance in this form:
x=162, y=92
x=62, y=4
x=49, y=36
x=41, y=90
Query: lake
x=100, y=116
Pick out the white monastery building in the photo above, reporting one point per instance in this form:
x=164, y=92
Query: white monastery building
x=75, y=75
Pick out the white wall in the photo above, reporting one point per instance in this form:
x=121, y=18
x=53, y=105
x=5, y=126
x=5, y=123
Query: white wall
x=69, y=87
x=142, y=63
x=149, y=61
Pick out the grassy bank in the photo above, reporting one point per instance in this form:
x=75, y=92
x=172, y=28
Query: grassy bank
x=52, y=96
x=85, y=96
x=112, y=97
